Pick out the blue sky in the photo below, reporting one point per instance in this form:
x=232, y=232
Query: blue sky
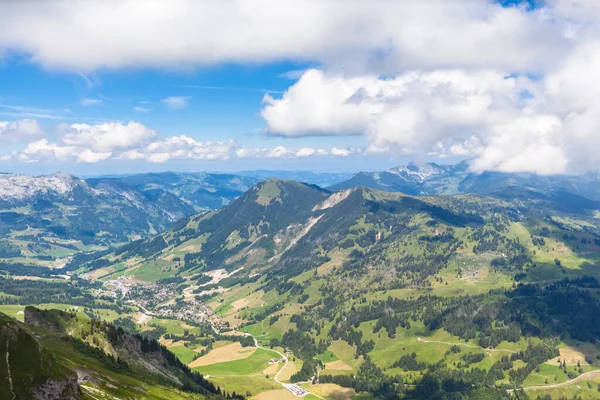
x=90, y=88
x=221, y=103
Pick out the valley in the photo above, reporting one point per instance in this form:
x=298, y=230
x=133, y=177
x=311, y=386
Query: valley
x=293, y=290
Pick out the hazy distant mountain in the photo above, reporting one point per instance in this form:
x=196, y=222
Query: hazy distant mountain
x=322, y=179
x=201, y=191
x=48, y=217
x=432, y=178
x=425, y=179
x=51, y=216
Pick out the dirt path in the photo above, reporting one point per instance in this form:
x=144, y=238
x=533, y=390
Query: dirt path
x=10, y=382
x=276, y=377
x=590, y=374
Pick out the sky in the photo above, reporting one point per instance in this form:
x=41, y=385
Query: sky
x=103, y=87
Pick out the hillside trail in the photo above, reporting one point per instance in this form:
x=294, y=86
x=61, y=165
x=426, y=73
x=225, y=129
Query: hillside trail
x=276, y=377
x=10, y=382
x=590, y=374
x=286, y=361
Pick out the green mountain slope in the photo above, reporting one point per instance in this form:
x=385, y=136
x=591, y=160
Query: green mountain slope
x=201, y=191
x=396, y=296
x=60, y=355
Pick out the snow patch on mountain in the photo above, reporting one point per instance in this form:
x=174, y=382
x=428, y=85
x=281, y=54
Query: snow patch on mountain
x=420, y=173
x=22, y=187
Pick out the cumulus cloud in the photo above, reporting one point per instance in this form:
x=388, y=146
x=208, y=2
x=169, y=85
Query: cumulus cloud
x=284, y=152
x=25, y=130
x=134, y=141
x=383, y=35
x=507, y=122
x=513, y=87
x=176, y=102
x=106, y=137
x=409, y=113
x=184, y=147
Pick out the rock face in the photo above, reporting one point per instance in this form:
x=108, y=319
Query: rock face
x=26, y=371
x=66, y=389
x=50, y=320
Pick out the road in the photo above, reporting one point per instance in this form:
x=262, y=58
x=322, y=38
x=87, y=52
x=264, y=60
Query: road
x=590, y=374
x=276, y=377
x=292, y=388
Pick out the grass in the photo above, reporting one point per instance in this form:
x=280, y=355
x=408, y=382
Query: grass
x=222, y=352
x=583, y=389
x=254, y=364
x=173, y=326
x=327, y=356
x=101, y=313
x=345, y=352
x=184, y=354
x=152, y=271
x=245, y=385
x=13, y=311
x=293, y=366
x=331, y=391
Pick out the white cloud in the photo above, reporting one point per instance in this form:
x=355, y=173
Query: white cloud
x=481, y=113
x=409, y=113
x=142, y=110
x=45, y=150
x=89, y=143
x=134, y=141
x=340, y=152
x=305, y=152
x=90, y=102
x=176, y=102
x=184, y=147
x=107, y=137
x=88, y=156
x=25, y=130
x=454, y=74
x=284, y=152
x=379, y=35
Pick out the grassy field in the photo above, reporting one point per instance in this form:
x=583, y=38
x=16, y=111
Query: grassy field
x=15, y=311
x=184, y=354
x=583, y=389
x=174, y=326
x=255, y=364
x=223, y=352
x=330, y=391
x=246, y=385
x=327, y=356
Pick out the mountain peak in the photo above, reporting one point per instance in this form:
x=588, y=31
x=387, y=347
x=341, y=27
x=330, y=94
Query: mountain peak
x=276, y=189
x=20, y=187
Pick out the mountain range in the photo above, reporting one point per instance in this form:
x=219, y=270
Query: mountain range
x=431, y=178
x=47, y=218
x=355, y=292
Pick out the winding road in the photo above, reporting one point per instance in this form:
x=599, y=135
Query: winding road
x=589, y=374
x=286, y=360
x=291, y=387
